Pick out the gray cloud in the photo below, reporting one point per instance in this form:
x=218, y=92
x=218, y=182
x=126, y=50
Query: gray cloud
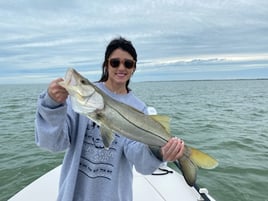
x=37, y=36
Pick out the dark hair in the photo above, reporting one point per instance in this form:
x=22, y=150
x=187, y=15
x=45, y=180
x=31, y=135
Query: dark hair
x=116, y=43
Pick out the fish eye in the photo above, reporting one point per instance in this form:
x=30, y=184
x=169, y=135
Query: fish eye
x=84, y=82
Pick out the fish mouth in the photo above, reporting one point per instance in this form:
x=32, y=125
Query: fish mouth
x=76, y=83
x=70, y=82
x=82, y=91
x=72, y=77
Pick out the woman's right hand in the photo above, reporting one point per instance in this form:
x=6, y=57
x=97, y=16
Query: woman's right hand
x=57, y=92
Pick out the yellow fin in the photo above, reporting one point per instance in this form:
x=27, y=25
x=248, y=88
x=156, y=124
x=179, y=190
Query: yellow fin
x=202, y=159
x=163, y=120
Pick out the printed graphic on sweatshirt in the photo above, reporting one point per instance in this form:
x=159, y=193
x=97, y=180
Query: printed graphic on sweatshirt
x=96, y=161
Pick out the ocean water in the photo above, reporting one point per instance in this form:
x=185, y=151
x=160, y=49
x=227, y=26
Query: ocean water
x=227, y=119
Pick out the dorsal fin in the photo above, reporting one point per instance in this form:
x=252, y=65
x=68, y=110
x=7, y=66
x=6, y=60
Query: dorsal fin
x=163, y=120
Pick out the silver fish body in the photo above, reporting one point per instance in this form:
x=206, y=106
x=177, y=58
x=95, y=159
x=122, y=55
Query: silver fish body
x=116, y=117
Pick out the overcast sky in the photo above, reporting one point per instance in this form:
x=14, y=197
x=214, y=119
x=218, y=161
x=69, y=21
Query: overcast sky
x=175, y=39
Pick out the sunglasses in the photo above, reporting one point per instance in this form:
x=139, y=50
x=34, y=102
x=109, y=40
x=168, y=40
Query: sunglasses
x=128, y=63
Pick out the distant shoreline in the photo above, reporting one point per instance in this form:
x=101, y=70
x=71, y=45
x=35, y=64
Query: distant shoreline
x=201, y=80
x=240, y=79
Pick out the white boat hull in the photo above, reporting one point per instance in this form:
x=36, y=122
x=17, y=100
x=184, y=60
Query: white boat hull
x=169, y=187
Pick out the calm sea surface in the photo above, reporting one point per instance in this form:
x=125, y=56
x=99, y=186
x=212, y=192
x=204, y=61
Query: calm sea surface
x=227, y=119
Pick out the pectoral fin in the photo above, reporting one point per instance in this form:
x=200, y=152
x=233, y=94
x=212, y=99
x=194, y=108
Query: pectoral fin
x=107, y=136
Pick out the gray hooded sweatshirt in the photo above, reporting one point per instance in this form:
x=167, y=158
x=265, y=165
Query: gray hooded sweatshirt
x=89, y=171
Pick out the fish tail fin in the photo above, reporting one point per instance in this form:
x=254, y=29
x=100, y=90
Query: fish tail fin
x=201, y=159
x=191, y=160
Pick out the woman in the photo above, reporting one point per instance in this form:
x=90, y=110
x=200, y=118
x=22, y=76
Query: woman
x=89, y=171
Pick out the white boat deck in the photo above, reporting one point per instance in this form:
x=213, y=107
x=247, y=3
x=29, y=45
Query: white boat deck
x=169, y=187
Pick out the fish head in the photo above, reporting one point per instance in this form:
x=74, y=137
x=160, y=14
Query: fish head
x=84, y=97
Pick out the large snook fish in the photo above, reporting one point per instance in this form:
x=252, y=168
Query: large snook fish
x=115, y=117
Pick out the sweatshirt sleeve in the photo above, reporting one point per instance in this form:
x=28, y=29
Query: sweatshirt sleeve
x=142, y=157
x=52, y=124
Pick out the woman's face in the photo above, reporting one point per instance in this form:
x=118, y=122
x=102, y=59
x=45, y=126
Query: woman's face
x=120, y=67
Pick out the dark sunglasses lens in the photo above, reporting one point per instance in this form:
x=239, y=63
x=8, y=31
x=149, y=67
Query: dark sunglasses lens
x=129, y=64
x=114, y=63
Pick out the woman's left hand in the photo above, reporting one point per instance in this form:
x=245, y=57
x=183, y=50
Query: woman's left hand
x=173, y=149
